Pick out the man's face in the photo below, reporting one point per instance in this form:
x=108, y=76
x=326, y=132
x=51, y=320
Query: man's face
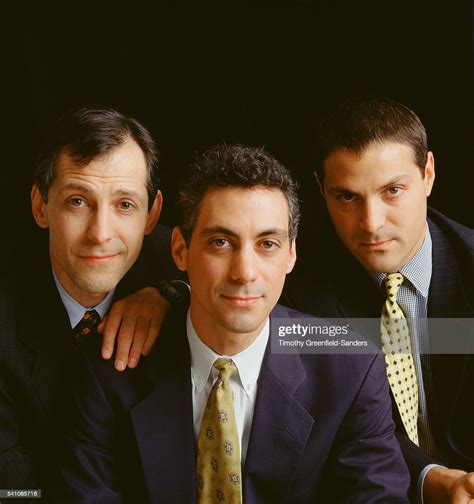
x=237, y=260
x=377, y=202
x=97, y=215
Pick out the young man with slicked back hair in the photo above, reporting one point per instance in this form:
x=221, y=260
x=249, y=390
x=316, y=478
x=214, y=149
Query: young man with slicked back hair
x=375, y=173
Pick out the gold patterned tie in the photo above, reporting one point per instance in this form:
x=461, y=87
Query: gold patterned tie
x=218, y=456
x=396, y=344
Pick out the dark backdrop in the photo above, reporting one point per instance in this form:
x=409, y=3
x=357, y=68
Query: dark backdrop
x=259, y=72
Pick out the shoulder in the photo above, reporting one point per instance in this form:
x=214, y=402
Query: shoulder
x=452, y=230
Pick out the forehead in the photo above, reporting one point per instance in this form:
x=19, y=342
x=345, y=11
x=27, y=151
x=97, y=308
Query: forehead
x=243, y=210
x=377, y=161
x=124, y=164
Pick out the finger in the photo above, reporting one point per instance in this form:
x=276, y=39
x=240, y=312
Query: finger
x=139, y=337
x=110, y=330
x=124, y=341
x=100, y=327
x=461, y=495
x=153, y=332
x=461, y=499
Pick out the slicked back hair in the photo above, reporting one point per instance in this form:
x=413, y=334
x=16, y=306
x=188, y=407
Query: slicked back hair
x=360, y=122
x=88, y=133
x=226, y=166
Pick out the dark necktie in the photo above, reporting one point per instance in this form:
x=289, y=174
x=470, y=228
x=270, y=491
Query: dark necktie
x=86, y=328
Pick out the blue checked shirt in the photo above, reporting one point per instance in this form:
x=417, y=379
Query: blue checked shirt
x=413, y=300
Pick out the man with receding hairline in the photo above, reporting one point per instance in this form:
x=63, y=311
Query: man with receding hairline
x=96, y=192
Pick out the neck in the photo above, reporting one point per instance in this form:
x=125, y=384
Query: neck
x=86, y=299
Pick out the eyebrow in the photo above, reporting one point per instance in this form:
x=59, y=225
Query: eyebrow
x=280, y=233
x=395, y=180
x=84, y=189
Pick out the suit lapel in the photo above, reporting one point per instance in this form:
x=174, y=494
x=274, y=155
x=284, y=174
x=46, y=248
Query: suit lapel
x=280, y=428
x=446, y=299
x=44, y=328
x=163, y=421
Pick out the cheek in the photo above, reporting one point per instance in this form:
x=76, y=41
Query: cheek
x=65, y=231
x=205, y=271
x=346, y=223
x=410, y=213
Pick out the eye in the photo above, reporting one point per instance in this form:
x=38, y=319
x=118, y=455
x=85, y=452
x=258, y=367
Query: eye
x=76, y=202
x=269, y=245
x=394, y=191
x=125, y=205
x=220, y=243
x=347, y=197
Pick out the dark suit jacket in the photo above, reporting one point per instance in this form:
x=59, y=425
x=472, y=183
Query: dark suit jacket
x=318, y=418
x=36, y=353
x=324, y=290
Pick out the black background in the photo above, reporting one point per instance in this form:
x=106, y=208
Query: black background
x=259, y=73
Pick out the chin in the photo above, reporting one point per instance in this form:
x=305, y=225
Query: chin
x=242, y=325
x=97, y=287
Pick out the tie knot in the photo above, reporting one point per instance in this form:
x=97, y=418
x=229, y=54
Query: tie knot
x=226, y=368
x=91, y=317
x=393, y=281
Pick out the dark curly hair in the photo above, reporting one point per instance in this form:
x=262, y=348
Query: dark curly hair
x=234, y=166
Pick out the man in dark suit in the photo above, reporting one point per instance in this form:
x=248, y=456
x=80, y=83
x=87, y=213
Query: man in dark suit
x=375, y=173
x=213, y=415
x=96, y=191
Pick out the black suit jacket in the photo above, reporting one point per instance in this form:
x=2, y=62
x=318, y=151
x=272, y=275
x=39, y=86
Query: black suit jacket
x=36, y=354
x=318, y=418
x=322, y=288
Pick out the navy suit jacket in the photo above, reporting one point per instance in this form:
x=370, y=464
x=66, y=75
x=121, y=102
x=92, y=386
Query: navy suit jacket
x=322, y=430
x=36, y=352
x=340, y=287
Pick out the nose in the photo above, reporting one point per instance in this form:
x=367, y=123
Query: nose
x=372, y=216
x=100, y=227
x=244, y=267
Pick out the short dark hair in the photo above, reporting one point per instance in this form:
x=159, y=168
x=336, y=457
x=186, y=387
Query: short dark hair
x=359, y=122
x=234, y=166
x=87, y=133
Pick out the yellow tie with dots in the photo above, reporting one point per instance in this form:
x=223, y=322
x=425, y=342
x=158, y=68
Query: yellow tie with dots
x=218, y=456
x=396, y=344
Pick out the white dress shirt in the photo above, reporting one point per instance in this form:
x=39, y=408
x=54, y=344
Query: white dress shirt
x=244, y=381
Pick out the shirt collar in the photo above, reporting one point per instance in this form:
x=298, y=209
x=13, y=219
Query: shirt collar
x=75, y=310
x=248, y=362
x=417, y=270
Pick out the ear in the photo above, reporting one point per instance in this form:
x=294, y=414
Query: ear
x=39, y=207
x=429, y=174
x=154, y=213
x=179, y=251
x=291, y=257
x=320, y=183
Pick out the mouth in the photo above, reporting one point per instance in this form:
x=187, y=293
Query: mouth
x=377, y=246
x=242, y=301
x=98, y=259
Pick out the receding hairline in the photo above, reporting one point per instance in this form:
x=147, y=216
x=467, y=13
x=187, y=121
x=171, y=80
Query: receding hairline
x=80, y=161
